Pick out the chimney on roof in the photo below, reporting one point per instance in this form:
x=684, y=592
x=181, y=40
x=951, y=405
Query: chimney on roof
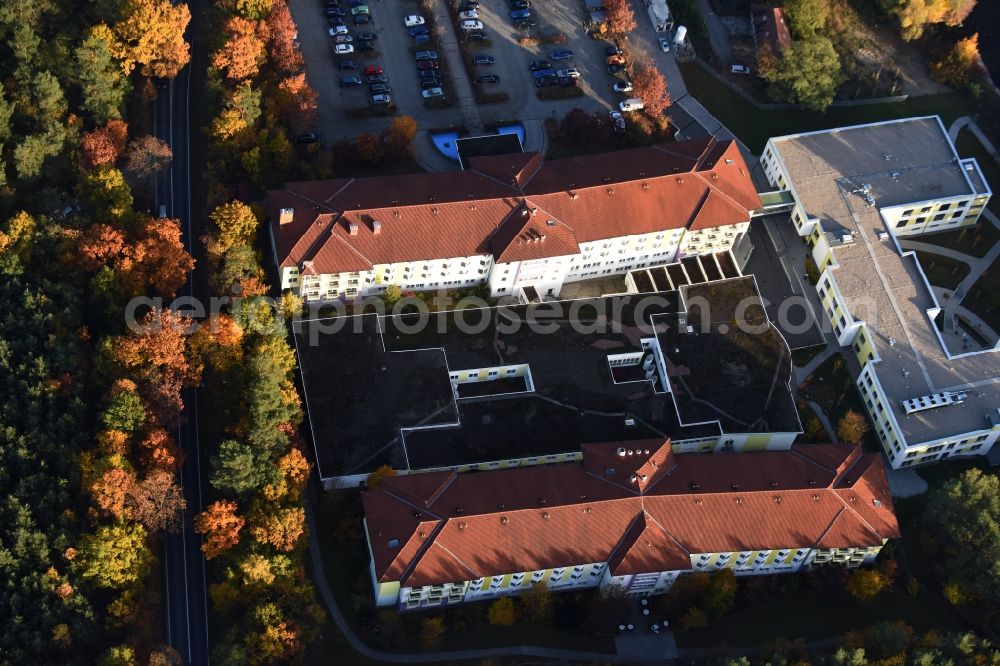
x=534, y=211
x=286, y=215
x=376, y=227
x=573, y=195
x=352, y=228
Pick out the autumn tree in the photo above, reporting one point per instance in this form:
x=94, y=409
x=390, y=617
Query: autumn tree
x=399, y=136
x=147, y=156
x=302, y=103
x=108, y=196
x=375, y=478
x=221, y=527
x=151, y=35
x=279, y=527
x=240, y=111
x=852, y=427
x=865, y=584
x=156, y=502
x=243, y=53
x=694, y=618
x=111, y=490
x=274, y=639
x=959, y=64
x=915, y=15
x=620, y=17
x=536, y=604
x=370, y=149
x=649, y=85
x=432, y=629
x=501, y=612
x=157, y=259
x=104, y=145
x=237, y=225
x=282, y=49
x=808, y=17
x=159, y=450
x=115, y=556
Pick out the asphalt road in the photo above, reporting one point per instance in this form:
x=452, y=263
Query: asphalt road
x=183, y=564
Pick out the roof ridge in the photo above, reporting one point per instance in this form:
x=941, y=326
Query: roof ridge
x=334, y=234
x=665, y=530
x=350, y=182
x=454, y=556
x=796, y=450
x=716, y=188
x=828, y=527
x=859, y=516
x=422, y=550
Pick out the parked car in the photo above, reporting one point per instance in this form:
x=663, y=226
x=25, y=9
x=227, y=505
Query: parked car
x=428, y=64
x=343, y=49
x=426, y=55
x=378, y=88
x=430, y=83
x=617, y=121
x=546, y=82
x=350, y=81
x=381, y=100
x=334, y=12
x=343, y=39
x=419, y=30
x=471, y=25
x=563, y=54
x=467, y=5
x=569, y=72
x=664, y=44
x=360, y=9
x=428, y=74
x=414, y=20
x=543, y=74
x=477, y=36
x=338, y=29
x=484, y=60
x=469, y=14
x=308, y=137
x=622, y=86
x=615, y=60
x=430, y=93
x=422, y=38
x=536, y=65
x=362, y=19
x=488, y=78
x=366, y=36
x=614, y=69
x=612, y=50
x=373, y=70
x=632, y=104
x=520, y=14
x=519, y=4
x=739, y=69
x=378, y=78
x=345, y=65
x=331, y=3
x=356, y=3
x=568, y=81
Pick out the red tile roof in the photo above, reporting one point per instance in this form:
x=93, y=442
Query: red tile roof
x=438, y=527
x=699, y=183
x=770, y=24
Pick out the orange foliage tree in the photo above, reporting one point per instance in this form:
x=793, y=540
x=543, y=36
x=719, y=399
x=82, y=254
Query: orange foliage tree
x=281, y=528
x=650, y=86
x=156, y=501
x=104, y=145
x=284, y=53
x=620, y=17
x=243, y=53
x=958, y=65
x=152, y=35
x=221, y=527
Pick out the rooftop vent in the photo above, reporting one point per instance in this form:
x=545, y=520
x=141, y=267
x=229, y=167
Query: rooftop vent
x=376, y=227
x=587, y=509
x=503, y=520
x=542, y=500
x=501, y=505
x=461, y=526
x=573, y=195
x=545, y=515
x=621, y=452
x=739, y=500
x=876, y=503
x=694, y=485
x=777, y=499
x=815, y=497
x=773, y=484
x=352, y=228
x=550, y=223
x=811, y=482
x=459, y=509
x=728, y=161
x=734, y=486
x=634, y=478
x=645, y=186
x=605, y=180
x=698, y=500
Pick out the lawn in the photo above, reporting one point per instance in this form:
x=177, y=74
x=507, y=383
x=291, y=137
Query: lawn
x=942, y=271
x=968, y=146
x=754, y=127
x=976, y=240
x=832, y=387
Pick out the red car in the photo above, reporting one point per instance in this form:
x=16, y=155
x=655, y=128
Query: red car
x=372, y=70
x=428, y=64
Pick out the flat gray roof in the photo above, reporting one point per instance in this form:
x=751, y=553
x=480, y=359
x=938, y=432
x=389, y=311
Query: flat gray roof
x=905, y=162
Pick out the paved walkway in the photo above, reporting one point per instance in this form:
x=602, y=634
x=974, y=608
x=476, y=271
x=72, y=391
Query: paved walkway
x=905, y=483
x=448, y=45
x=966, y=121
x=831, y=432
x=717, y=33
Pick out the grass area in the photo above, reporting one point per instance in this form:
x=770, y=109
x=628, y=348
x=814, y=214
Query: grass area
x=559, y=92
x=802, y=355
x=943, y=271
x=832, y=387
x=976, y=240
x=968, y=146
x=754, y=127
x=346, y=563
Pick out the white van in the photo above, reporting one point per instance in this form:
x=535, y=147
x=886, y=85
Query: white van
x=633, y=104
x=472, y=25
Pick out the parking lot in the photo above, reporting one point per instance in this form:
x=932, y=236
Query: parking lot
x=395, y=54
